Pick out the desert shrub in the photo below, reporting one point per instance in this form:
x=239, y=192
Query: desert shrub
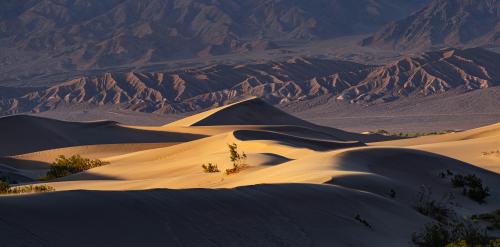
x=433, y=235
x=432, y=208
x=454, y=234
x=63, y=166
x=210, y=168
x=30, y=189
x=382, y=132
x=362, y=221
x=238, y=159
x=497, y=152
x=4, y=187
x=472, y=186
x=392, y=193
x=492, y=219
x=458, y=181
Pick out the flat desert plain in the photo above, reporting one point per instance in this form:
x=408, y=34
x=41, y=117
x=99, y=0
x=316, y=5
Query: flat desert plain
x=298, y=184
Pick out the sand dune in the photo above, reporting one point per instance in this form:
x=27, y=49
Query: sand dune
x=24, y=134
x=262, y=215
x=469, y=146
x=302, y=186
x=254, y=111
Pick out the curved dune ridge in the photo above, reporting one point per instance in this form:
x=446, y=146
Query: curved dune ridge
x=303, y=184
x=252, y=111
x=24, y=134
x=314, y=144
x=476, y=146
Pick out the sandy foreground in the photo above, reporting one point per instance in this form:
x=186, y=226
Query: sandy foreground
x=303, y=186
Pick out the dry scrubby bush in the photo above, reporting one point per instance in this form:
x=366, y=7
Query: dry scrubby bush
x=210, y=168
x=362, y=221
x=426, y=205
x=492, y=219
x=452, y=234
x=238, y=159
x=417, y=134
x=5, y=188
x=448, y=230
x=497, y=152
x=63, y=166
x=30, y=189
x=472, y=186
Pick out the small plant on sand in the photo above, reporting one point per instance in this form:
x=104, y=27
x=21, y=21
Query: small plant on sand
x=426, y=205
x=362, y=221
x=210, y=168
x=494, y=152
x=392, y=193
x=4, y=187
x=472, y=186
x=63, y=166
x=238, y=159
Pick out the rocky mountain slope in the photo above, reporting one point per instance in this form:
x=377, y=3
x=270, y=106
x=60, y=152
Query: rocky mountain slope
x=443, y=23
x=54, y=36
x=278, y=82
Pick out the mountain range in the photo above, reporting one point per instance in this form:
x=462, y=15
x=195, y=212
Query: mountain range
x=62, y=35
x=283, y=82
x=441, y=23
x=113, y=52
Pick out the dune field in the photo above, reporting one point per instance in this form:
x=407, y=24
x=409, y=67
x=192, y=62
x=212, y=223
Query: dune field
x=300, y=185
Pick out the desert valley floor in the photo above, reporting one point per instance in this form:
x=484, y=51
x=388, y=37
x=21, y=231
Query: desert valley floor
x=305, y=184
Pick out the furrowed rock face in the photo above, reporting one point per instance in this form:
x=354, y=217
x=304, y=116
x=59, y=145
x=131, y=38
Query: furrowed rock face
x=431, y=73
x=277, y=82
x=443, y=23
x=85, y=34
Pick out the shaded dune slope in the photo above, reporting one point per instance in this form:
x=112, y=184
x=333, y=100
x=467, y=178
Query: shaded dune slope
x=255, y=111
x=315, y=144
x=201, y=217
x=24, y=134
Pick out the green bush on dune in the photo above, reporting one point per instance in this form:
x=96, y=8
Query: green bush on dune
x=238, y=159
x=63, y=166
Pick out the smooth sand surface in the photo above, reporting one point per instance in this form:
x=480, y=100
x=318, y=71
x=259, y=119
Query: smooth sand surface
x=303, y=185
x=476, y=146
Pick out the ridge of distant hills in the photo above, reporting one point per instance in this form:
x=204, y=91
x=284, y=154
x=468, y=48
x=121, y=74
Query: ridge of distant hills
x=457, y=23
x=283, y=82
x=56, y=36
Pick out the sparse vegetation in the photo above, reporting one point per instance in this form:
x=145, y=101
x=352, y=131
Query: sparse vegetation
x=238, y=159
x=5, y=188
x=438, y=210
x=497, y=152
x=449, y=229
x=63, y=166
x=416, y=134
x=30, y=189
x=472, y=186
x=451, y=234
x=491, y=219
x=392, y=193
x=210, y=168
x=363, y=221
